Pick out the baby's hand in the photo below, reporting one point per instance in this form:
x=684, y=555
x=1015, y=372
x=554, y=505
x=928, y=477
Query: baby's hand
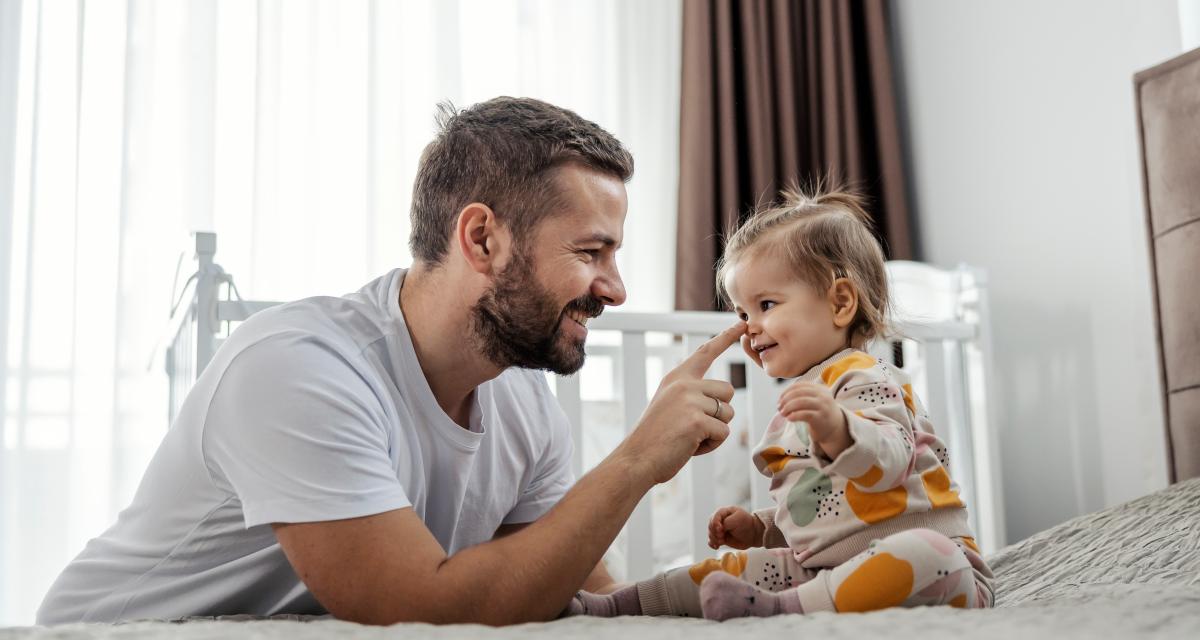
x=735, y=527
x=813, y=403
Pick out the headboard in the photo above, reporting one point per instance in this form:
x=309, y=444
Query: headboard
x=1168, y=110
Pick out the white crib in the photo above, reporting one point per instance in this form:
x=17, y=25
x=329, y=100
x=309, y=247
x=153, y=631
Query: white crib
x=941, y=339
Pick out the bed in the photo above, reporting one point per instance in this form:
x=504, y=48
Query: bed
x=1129, y=570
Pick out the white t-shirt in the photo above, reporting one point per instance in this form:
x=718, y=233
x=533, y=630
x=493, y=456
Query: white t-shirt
x=314, y=410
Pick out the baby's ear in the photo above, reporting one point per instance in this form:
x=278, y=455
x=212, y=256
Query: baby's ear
x=843, y=300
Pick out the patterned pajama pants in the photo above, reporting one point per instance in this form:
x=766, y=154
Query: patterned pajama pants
x=907, y=569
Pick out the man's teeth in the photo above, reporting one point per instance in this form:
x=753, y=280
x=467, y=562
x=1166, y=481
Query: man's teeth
x=578, y=317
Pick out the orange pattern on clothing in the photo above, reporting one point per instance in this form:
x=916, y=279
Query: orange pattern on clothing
x=856, y=360
x=733, y=563
x=876, y=507
x=775, y=458
x=869, y=478
x=970, y=542
x=959, y=601
x=908, y=400
x=882, y=581
x=937, y=487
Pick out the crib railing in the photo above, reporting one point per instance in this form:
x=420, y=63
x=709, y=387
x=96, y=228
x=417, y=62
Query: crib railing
x=941, y=340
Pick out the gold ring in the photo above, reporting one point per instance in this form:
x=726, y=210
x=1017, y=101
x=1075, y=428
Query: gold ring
x=717, y=412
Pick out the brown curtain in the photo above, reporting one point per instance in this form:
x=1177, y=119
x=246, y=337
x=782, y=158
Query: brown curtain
x=776, y=92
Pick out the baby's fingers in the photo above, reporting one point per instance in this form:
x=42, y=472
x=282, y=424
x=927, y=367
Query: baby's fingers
x=715, y=538
x=715, y=526
x=795, y=393
x=799, y=404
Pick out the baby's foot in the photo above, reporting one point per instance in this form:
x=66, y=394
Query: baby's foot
x=723, y=596
x=622, y=602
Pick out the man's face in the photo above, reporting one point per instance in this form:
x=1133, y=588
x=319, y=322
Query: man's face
x=535, y=314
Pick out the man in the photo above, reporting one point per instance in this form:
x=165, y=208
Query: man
x=393, y=455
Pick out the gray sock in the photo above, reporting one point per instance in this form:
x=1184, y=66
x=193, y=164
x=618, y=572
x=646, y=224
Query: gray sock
x=622, y=602
x=723, y=596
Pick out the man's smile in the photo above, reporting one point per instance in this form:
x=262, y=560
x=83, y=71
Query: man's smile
x=579, y=317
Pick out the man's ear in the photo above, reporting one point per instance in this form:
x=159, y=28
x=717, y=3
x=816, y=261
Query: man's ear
x=843, y=299
x=481, y=239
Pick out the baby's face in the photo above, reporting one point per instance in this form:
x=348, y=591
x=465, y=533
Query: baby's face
x=790, y=325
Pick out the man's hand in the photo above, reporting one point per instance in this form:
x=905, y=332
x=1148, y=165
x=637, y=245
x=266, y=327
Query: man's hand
x=688, y=415
x=735, y=527
x=813, y=404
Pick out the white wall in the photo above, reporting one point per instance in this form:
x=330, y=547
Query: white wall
x=1024, y=159
x=1189, y=23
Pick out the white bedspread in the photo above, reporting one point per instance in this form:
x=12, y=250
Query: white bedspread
x=1132, y=570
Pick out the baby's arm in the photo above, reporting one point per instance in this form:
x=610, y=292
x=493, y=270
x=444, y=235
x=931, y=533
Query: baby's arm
x=772, y=537
x=880, y=422
x=861, y=422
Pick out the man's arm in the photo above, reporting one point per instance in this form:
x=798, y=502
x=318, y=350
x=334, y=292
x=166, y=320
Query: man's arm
x=598, y=581
x=388, y=567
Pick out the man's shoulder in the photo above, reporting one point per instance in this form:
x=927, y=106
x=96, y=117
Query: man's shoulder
x=337, y=325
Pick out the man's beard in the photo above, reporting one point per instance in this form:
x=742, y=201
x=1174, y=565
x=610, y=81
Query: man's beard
x=517, y=323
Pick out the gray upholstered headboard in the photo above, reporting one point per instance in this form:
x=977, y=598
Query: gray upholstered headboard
x=1168, y=105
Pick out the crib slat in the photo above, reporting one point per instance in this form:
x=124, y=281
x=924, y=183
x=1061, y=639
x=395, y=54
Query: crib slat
x=939, y=401
x=762, y=393
x=985, y=420
x=703, y=471
x=962, y=456
x=639, y=531
x=936, y=399
x=566, y=389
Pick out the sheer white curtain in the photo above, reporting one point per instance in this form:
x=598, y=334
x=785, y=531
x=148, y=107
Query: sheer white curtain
x=292, y=129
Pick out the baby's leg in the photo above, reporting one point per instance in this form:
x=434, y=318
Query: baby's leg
x=910, y=568
x=677, y=592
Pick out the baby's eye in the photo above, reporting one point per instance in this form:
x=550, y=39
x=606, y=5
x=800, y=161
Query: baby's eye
x=766, y=304
x=743, y=316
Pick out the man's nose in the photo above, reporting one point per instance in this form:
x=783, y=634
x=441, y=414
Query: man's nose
x=610, y=288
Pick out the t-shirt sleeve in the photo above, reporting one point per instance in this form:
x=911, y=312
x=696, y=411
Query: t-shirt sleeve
x=552, y=477
x=296, y=432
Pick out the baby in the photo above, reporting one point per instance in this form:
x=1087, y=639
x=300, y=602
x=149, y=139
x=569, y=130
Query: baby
x=866, y=515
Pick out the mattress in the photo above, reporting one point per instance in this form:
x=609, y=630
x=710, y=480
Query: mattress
x=1128, y=571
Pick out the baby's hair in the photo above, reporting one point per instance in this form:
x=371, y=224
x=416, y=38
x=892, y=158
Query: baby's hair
x=823, y=234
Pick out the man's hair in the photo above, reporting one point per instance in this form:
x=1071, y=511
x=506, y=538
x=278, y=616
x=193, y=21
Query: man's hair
x=822, y=235
x=503, y=153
